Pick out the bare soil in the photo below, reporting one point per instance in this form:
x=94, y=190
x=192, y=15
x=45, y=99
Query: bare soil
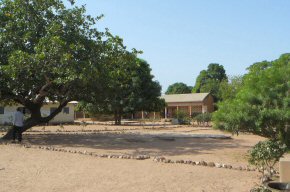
x=31, y=169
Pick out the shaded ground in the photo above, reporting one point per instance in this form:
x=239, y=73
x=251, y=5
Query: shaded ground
x=30, y=169
x=135, y=140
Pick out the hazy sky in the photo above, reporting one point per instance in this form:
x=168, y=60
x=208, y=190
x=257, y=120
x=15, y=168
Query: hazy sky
x=180, y=38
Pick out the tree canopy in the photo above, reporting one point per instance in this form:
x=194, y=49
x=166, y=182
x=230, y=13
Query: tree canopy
x=51, y=53
x=209, y=80
x=178, y=88
x=262, y=105
x=128, y=91
x=228, y=89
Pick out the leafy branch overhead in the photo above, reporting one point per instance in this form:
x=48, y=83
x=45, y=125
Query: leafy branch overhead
x=51, y=53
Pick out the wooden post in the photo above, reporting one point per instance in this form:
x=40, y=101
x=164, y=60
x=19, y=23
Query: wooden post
x=190, y=111
x=154, y=115
x=165, y=113
x=142, y=114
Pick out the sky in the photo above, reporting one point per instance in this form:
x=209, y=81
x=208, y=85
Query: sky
x=179, y=38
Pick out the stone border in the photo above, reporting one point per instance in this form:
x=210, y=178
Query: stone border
x=92, y=131
x=157, y=159
x=203, y=163
x=79, y=131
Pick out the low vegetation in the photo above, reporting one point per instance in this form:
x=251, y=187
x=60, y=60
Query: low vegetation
x=265, y=155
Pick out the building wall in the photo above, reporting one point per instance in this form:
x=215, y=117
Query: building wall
x=207, y=106
x=62, y=117
x=208, y=101
x=147, y=115
x=185, y=107
x=8, y=115
x=180, y=104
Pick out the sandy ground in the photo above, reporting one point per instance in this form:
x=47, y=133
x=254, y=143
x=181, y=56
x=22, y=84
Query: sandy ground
x=29, y=169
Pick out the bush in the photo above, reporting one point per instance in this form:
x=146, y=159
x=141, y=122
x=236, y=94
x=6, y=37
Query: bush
x=194, y=114
x=182, y=118
x=266, y=154
x=203, y=118
x=260, y=189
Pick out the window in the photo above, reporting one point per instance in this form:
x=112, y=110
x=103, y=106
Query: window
x=66, y=110
x=52, y=109
x=1, y=110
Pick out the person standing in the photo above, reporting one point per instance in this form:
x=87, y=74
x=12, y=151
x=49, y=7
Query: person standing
x=18, y=124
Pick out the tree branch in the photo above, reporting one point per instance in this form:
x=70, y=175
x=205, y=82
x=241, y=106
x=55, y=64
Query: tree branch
x=55, y=112
x=42, y=92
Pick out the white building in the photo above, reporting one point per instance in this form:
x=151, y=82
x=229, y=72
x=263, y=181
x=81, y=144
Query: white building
x=67, y=114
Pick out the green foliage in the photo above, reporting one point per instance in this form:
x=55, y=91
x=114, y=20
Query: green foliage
x=49, y=52
x=209, y=80
x=46, y=48
x=203, y=118
x=130, y=88
x=194, y=114
x=260, y=188
x=266, y=154
x=178, y=88
x=229, y=89
x=262, y=105
x=182, y=118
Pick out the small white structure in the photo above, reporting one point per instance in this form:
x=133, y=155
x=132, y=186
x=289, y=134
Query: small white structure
x=285, y=169
x=67, y=115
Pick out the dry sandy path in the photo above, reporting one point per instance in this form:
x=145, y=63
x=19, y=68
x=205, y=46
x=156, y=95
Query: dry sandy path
x=29, y=170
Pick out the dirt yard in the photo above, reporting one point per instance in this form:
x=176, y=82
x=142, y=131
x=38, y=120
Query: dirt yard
x=36, y=169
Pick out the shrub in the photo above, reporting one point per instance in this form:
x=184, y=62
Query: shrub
x=194, y=114
x=266, y=154
x=182, y=118
x=203, y=118
x=260, y=189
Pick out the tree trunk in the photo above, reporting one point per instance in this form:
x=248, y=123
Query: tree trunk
x=118, y=117
x=27, y=125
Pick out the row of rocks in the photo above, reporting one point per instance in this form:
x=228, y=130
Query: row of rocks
x=202, y=163
x=109, y=156
x=81, y=133
x=86, y=131
x=158, y=159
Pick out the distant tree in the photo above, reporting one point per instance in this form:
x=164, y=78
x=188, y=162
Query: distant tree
x=178, y=88
x=209, y=80
x=131, y=88
x=262, y=105
x=228, y=89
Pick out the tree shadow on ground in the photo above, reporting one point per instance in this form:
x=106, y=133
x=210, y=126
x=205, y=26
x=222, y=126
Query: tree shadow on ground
x=134, y=144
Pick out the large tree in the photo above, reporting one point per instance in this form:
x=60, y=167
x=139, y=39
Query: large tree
x=209, y=80
x=48, y=53
x=262, y=105
x=178, y=88
x=131, y=88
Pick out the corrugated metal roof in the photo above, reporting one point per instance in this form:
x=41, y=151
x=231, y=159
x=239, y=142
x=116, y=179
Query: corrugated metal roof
x=191, y=97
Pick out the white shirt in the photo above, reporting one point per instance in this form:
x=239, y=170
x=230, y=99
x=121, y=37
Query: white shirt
x=18, y=119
